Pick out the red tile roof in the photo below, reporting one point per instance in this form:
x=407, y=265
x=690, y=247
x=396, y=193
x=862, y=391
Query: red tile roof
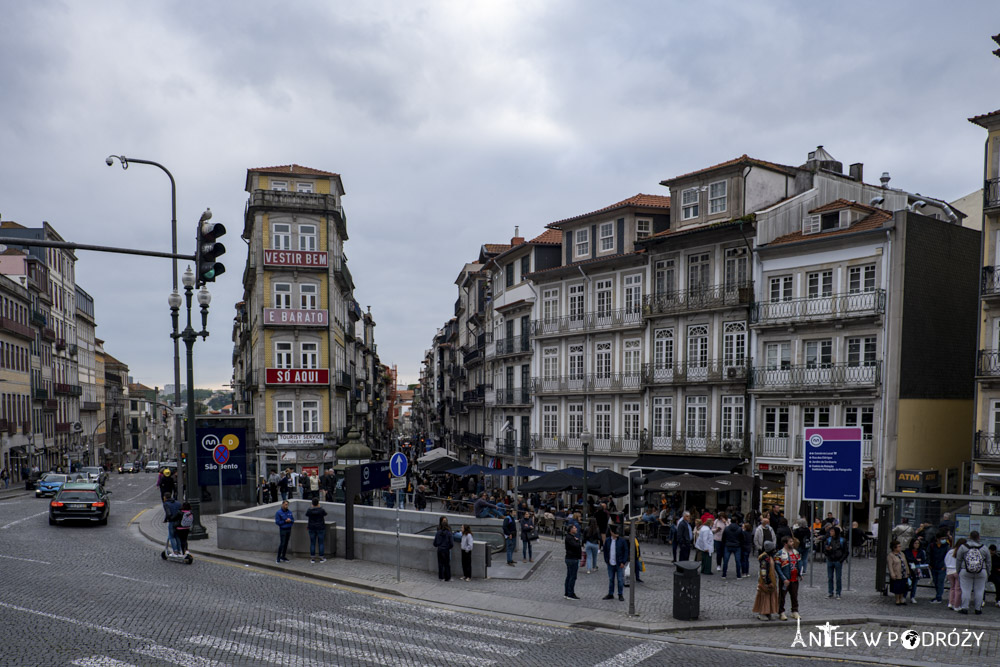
x=639, y=201
x=591, y=260
x=741, y=160
x=496, y=248
x=873, y=221
x=548, y=237
x=981, y=118
x=838, y=204
x=294, y=169
x=697, y=228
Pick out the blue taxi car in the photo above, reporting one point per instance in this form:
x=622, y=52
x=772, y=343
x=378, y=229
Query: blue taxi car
x=49, y=484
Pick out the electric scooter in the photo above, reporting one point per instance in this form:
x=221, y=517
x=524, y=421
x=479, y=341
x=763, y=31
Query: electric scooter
x=169, y=555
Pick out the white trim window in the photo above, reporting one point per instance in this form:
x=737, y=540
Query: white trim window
x=861, y=278
x=582, y=238
x=281, y=236
x=778, y=355
x=602, y=359
x=862, y=351
x=279, y=186
x=309, y=353
x=816, y=417
x=643, y=228
x=575, y=411
x=781, y=288
x=737, y=268
x=550, y=363
x=282, y=295
x=550, y=420
x=305, y=187
x=630, y=420
x=310, y=416
x=734, y=344
x=663, y=416
x=819, y=284
x=307, y=238
x=633, y=357
x=604, y=296
x=696, y=421
x=699, y=272
x=576, y=362
x=775, y=422
x=602, y=421
x=995, y=413
x=633, y=294
x=666, y=276
x=550, y=305
x=717, y=197
x=308, y=296
x=282, y=355
x=663, y=348
x=819, y=353
x=689, y=203
x=697, y=345
x=733, y=417
x=863, y=416
x=284, y=416
x=607, y=234
x=576, y=302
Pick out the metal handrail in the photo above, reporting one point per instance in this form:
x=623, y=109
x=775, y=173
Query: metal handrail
x=844, y=304
x=819, y=375
x=608, y=319
x=698, y=298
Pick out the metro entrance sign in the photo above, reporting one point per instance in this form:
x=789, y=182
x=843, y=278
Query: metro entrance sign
x=831, y=465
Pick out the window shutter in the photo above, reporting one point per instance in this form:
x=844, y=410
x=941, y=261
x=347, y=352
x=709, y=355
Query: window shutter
x=810, y=224
x=845, y=218
x=621, y=235
x=593, y=240
x=569, y=247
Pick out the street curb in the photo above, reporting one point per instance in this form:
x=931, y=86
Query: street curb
x=799, y=653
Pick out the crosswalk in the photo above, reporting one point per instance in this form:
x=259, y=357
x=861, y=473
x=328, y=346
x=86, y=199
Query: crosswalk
x=385, y=633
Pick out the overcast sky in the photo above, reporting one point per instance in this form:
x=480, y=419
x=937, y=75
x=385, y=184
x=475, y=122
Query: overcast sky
x=450, y=123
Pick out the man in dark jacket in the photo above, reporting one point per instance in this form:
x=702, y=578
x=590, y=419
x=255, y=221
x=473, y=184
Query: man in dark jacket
x=836, y=551
x=316, y=526
x=935, y=558
x=171, y=517
x=509, y=535
x=574, y=552
x=615, y=557
x=684, y=539
x=732, y=545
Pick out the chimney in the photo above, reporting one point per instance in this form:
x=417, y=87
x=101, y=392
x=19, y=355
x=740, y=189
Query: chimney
x=884, y=179
x=857, y=171
x=517, y=238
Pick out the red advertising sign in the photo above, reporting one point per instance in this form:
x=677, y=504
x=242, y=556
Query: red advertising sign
x=297, y=376
x=293, y=317
x=295, y=258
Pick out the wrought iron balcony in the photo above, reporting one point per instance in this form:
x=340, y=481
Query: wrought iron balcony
x=987, y=447
x=63, y=427
x=518, y=396
x=817, y=377
x=988, y=364
x=458, y=306
x=714, y=444
x=695, y=299
x=506, y=347
x=819, y=309
x=343, y=380
x=712, y=370
x=990, y=282
x=590, y=382
x=48, y=334
x=614, y=444
x=39, y=393
x=16, y=328
x=507, y=446
x=38, y=317
x=51, y=405
x=773, y=446
x=89, y=406
x=472, y=440
x=622, y=318
x=294, y=201
x=473, y=356
x=475, y=396
x=991, y=193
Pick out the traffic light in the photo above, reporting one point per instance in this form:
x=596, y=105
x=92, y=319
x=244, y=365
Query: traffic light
x=184, y=458
x=996, y=38
x=209, y=249
x=636, y=492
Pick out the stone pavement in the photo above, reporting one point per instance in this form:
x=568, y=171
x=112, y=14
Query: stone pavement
x=725, y=603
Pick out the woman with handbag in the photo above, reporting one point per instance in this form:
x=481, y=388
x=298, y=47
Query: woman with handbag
x=916, y=560
x=528, y=535
x=766, y=602
x=899, y=572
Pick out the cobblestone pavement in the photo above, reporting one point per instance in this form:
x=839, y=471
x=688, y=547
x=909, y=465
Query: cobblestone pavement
x=95, y=596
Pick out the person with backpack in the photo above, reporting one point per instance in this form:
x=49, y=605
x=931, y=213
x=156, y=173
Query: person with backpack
x=764, y=533
x=444, y=540
x=973, y=562
x=316, y=517
x=183, y=527
x=171, y=512
x=509, y=535
x=836, y=552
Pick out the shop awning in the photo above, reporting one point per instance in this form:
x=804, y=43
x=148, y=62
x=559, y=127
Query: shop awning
x=718, y=465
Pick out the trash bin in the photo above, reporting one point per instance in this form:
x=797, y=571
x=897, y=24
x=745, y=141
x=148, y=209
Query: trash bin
x=687, y=590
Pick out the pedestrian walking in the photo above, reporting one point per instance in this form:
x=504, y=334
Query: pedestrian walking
x=718, y=526
x=615, y=557
x=283, y=485
x=899, y=572
x=591, y=545
x=732, y=545
x=746, y=546
x=704, y=545
x=443, y=542
x=528, y=535
x=284, y=520
x=316, y=526
x=684, y=537
x=766, y=601
x=916, y=560
x=788, y=567
x=802, y=534
x=5, y=478
x=183, y=527
x=603, y=518
x=466, y=547
x=272, y=484
x=936, y=556
x=835, y=550
x=420, y=499
x=994, y=577
x=574, y=551
x=764, y=533
x=973, y=561
x=951, y=571
x=509, y=535
x=903, y=532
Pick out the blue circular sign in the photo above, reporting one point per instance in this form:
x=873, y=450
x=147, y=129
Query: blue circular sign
x=398, y=464
x=220, y=454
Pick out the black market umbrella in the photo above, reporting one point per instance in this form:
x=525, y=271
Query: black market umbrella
x=473, y=469
x=684, y=482
x=554, y=481
x=576, y=472
x=606, y=483
x=441, y=464
x=732, y=482
x=522, y=471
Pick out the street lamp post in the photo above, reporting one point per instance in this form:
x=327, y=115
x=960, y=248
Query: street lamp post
x=173, y=248
x=585, y=441
x=189, y=336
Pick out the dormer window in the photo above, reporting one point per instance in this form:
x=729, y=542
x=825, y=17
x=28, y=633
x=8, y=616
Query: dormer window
x=717, y=197
x=607, y=231
x=306, y=187
x=642, y=229
x=825, y=222
x=689, y=203
x=279, y=186
x=582, y=242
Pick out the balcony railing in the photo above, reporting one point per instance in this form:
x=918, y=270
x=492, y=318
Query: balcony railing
x=51, y=405
x=697, y=299
x=38, y=317
x=712, y=370
x=990, y=281
x=710, y=444
x=773, y=446
x=516, y=396
x=991, y=193
x=988, y=363
x=39, y=393
x=63, y=427
x=510, y=346
x=819, y=309
x=725, y=444
x=279, y=199
x=474, y=396
x=342, y=380
x=16, y=328
x=582, y=322
x=821, y=376
x=507, y=446
x=458, y=305
x=591, y=382
x=48, y=334
x=473, y=440
x=90, y=406
x=473, y=356
x=73, y=349
x=987, y=447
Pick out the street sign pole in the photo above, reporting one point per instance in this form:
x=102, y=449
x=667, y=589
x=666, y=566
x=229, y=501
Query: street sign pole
x=398, y=463
x=397, y=538
x=850, y=528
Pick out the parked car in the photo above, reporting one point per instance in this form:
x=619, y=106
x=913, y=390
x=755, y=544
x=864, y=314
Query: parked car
x=83, y=501
x=153, y=466
x=129, y=468
x=49, y=484
x=96, y=474
x=31, y=480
